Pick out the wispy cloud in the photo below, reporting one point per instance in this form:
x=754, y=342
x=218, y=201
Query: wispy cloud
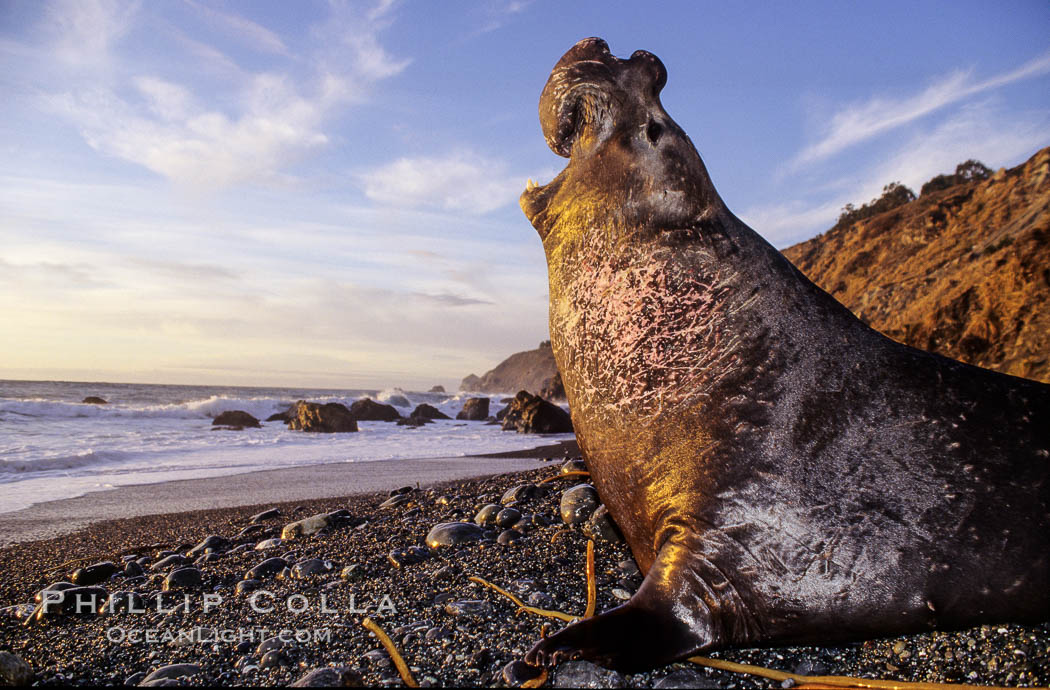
x=267, y=121
x=461, y=181
x=859, y=122
x=84, y=31
x=247, y=31
x=500, y=13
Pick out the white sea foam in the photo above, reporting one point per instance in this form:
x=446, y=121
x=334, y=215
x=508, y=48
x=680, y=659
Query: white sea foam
x=53, y=447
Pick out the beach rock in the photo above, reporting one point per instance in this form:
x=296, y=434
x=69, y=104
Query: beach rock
x=123, y=602
x=540, y=600
x=508, y=536
x=475, y=409
x=268, y=568
x=54, y=587
x=531, y=414
x=133, y=569
x=629, y=569
x=94, y=574
x=553, y=389
x=310, y=567
x=81, y=601
x=282, y=416
x=173, y=561
x=327, y=418
x=413, y=421
x=507, y=517
x=399, y=558
x=330, y=677
x=424, y=411
x=267, y=544
x=601, y=527
x=578, y=504
x=468, y=607
x=274, y=659
x=398, y=400
x=486, y=517
x=686, y=678
x=183, y=578
x=213, y=543
x=271, y=514
x=573, y=465
x=521, y=492
x=369, y=410
x=238, y=418
x=306, y=526
x=246, y=586
x=396, y=501
x=504, y=411
x=518, y=672
x=14, y=670
x=172, y=671
x=450, y=533
x=94, y=400
x=584, y=674
x=437, y=389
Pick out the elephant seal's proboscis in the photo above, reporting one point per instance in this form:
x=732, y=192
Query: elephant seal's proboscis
x=782, y=472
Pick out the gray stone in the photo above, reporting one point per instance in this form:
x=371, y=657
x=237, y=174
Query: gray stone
x=584, y=674
x=449, y=533
x=271, y=514
x=268, y=568
x=94, y=574
x=173, y=561
x=686, y=678
x=172, y=671
x=601, y=527
x=468, y=607
x=309, y=567
x=486, y=517
x=266, y=544
x=183, y=578
x=578, y=504
x=330, y=677
x=215, y=543
x=14, y=670
x=305, y=527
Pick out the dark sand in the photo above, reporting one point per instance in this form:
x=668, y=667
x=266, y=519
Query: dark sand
x=462, y=644
x=55, y=518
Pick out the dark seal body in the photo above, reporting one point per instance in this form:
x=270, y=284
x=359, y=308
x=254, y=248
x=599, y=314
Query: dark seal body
x=782, y=472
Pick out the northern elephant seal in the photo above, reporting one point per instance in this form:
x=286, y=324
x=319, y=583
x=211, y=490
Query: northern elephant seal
x=782, y=472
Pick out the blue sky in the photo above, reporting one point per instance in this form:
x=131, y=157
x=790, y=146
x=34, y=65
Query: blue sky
x=325, y=193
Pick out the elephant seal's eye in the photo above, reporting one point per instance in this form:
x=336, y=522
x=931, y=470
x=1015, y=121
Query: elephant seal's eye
x=653, y=131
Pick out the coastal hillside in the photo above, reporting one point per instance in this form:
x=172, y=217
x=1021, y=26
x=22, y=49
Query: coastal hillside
x=531, y=371
x=962, y=270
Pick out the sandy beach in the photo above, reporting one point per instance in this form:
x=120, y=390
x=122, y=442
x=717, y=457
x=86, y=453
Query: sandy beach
x=55, y=518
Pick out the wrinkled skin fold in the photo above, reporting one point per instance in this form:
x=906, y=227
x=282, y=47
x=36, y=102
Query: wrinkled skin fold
x=781, y=472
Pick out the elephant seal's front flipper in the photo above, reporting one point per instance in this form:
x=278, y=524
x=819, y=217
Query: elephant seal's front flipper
x=685, y=605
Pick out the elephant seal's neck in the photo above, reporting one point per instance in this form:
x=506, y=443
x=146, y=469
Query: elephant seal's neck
x=642, y=324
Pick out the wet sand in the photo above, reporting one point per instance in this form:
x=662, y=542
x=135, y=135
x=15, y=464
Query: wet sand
x=55, y=518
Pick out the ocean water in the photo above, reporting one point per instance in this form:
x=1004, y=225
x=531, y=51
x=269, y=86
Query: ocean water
x=53, y=446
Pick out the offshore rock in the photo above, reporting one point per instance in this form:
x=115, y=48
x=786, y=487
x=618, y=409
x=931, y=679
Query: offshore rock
x=327, y=418
x=531, y=414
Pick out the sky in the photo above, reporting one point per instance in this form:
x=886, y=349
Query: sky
x=325, y=193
